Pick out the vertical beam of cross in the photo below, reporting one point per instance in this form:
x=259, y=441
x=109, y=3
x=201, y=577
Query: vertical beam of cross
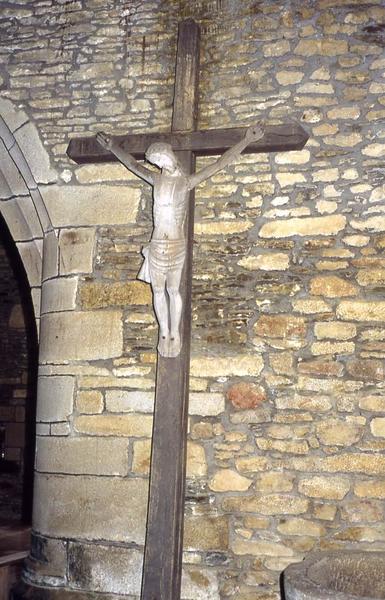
x=164, y=539
x=163, y=550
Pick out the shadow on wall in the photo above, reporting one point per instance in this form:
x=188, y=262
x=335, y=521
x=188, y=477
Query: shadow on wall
x=18, y=380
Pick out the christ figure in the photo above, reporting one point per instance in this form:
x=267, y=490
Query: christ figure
x=165, y=255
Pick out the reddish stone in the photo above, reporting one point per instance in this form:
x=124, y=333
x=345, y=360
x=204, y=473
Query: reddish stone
x=281, y=326
x=246, y=395
x=318, y=367
x=368, y=370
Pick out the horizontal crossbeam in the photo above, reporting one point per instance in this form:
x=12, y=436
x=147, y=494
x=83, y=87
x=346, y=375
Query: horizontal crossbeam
x=277, y=138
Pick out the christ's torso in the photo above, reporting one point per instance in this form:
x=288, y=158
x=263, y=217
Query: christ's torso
x=170, y=206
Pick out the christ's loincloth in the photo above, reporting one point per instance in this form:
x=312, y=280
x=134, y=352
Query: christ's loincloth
x=162, y=256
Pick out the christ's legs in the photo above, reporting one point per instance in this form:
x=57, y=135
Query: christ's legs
x=173, y=283
x=158, y=283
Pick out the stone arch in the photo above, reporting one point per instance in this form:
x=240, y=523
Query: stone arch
x=24, y=166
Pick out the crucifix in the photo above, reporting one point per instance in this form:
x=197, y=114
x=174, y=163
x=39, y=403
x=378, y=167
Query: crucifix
x=175, y=154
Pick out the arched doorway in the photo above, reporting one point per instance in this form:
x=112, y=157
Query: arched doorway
x=18, y=377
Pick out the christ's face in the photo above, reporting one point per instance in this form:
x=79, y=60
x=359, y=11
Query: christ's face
x=164, y=161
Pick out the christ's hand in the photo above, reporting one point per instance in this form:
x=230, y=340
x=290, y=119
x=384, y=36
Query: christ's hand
x=254, y=133
x=104, y=140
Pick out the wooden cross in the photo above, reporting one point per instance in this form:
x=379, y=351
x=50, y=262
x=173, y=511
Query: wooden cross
x=164, y=539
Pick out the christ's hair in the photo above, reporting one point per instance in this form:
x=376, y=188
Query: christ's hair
x=159, y=148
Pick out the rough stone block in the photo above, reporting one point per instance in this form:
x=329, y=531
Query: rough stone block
x=205, y=532
x=324, y=47
x=214, y=366
x=76, y=250
x=198, y=583
x=91, y=204
x=328, y=488
x=196, y=459
x=308, y=306
x=88, y=456
x=50, y=255
x=371, y=224
x=76, y=335
x=103, y=568
x=315, y=88
x=246, y=395
x=372, y=403
x=371, y=277
x=289, y=77
x=334, y=330
x=274, y=481
x=94, y=508
x=366, y=369
x=287, y=179
x=99, y=295
x=361, y=310
x=55, y=398
x=31, y=255
x=291, y=447
x=270, y=504
x=227, y=480
x=21, y=218
x=59, y=294
x=260, y=548
x=335, y=432
x=377, y=426
x=60, y=429
x=35, y=154
x=206, y=405
x=332, y=286
x=319, y=348
x=281, y=326
x=374, y=150
x=14, y=118
x=48, y=557
x=222, y=227
x=126, y=401
x=100, y=173
x=89, y=402
x=259, y=415
x=105, y=381
x=277, y=261
x=369, y=464
x=370, y=489
x=115, y=425
x=305, y=226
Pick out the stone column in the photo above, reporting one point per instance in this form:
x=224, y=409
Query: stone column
x=88, y=521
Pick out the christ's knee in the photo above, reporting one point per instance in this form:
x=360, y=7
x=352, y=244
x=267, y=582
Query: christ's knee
x=158, y=291
x=161, y=308
x=175, y=309
x=173, y=292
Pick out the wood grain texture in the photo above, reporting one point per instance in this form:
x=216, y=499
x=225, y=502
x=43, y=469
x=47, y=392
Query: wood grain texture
x=162, y=567
x=277, y=138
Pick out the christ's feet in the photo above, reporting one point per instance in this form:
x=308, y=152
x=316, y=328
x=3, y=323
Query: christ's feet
x=174, y=345
x=169, y=345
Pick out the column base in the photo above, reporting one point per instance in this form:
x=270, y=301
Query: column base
x=23, y=591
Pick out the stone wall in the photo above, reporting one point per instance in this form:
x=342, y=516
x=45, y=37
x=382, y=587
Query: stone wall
x=287, y=429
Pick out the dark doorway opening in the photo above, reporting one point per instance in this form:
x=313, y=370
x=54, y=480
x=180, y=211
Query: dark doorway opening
x=18, y=383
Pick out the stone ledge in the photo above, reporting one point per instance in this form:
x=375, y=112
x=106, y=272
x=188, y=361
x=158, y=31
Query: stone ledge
x=24, y=591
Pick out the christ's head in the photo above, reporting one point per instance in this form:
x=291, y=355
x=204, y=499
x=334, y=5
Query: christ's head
x=162, y=155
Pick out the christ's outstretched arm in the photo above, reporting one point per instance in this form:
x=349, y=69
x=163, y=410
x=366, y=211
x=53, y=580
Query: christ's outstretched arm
x=125, y=158
x=253, y=134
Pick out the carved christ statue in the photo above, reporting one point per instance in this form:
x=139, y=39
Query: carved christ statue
x=165, y=255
